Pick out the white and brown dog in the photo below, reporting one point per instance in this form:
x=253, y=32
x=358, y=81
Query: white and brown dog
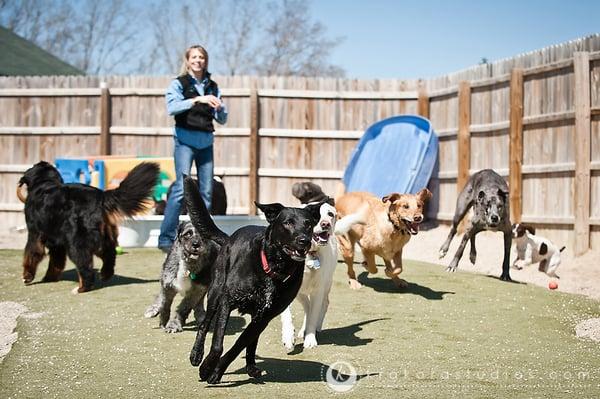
x=535, y=249
x=318, y=276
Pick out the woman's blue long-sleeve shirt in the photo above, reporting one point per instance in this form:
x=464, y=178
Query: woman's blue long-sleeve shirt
x=177, y=104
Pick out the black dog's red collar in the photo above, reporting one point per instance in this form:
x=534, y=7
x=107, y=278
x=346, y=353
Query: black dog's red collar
x=267, y=268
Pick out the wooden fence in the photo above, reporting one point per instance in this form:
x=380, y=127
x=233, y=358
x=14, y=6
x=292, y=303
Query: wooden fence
x=534, y=119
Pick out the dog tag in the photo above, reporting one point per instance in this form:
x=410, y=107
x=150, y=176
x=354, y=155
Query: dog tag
x=313, y=263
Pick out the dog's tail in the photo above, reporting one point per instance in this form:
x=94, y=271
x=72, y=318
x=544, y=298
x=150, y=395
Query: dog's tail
x=198, y=213
x=133, y=194
x=344, y=224
x=562, y=249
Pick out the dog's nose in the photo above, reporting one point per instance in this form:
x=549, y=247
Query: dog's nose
x=195, y=244
x=494, y=218
x=418, y=218
x=325, y=225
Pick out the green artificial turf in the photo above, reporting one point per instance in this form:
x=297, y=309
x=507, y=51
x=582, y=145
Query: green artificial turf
x=447, y=335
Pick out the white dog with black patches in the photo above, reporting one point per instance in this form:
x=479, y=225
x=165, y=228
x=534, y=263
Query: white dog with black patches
x=535, y=249
x=318, y=276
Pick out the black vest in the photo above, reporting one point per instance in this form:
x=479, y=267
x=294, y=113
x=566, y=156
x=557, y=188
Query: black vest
x=200, y=116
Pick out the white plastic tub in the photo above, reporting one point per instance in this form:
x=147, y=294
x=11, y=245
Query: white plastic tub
x=143, y=231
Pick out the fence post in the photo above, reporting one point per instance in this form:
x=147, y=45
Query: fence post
x=464, y=140
x=254, y=148
x=423, y=101
x=105, y=119
x=581, y=197
x=515, y=178
x=464, y=134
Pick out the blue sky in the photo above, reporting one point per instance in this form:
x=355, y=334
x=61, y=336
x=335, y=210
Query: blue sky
x=411, y=39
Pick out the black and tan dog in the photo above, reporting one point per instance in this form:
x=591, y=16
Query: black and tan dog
x=186, y=271
x=78, y=221
x=258, y=272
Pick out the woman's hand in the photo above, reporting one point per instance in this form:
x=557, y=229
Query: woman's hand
x=211, y=100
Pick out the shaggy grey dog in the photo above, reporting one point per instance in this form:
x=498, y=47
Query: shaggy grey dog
x=186, y=271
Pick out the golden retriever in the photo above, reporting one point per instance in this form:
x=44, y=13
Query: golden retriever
x=389, y=224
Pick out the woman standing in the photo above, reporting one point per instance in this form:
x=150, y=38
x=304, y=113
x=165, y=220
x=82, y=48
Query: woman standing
x=194, y=100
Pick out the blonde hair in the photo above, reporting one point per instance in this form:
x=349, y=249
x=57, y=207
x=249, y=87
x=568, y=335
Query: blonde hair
x=184, y=68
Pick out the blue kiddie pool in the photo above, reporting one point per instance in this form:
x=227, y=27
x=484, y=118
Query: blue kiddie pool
x=397, y=154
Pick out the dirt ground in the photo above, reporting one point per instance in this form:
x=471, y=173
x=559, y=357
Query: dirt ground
x=577, y=275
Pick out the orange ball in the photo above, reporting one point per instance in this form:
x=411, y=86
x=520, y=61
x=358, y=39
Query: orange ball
x=553, y=285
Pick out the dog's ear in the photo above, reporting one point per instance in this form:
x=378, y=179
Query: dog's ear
x=502, y=194
x=315, y=210
x=270, y=210
x=424, y=195
x=330, y=201
x=180, y=228
x=530, y=229
x=391, y=197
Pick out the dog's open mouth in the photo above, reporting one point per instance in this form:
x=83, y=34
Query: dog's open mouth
x=295, y=254
x=191, y=253
x=412, y=227
x=321, y=238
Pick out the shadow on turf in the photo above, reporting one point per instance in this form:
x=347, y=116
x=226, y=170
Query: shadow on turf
x=285, y=371
x=343, y=336
x=71, y=275
x=511, y=281
x=385, y=284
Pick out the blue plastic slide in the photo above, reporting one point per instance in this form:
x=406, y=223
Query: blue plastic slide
x=397, y=154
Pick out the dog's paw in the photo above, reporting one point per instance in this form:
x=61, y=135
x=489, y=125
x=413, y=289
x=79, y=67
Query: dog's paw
x=519, y=263
x=27, y=279
x=196, y=357
x=472, y=257
x=209, y=366
x=253, y=371
x=173, y=326
x=215, y=377
x=451, y=268
x=505, y=277
x=310, y=341
x=204, y=372
x=208, y=369
x=355, y=285
x=151, y=311
x=287, y=338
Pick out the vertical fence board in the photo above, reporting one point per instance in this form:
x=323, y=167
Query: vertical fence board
x=582, y=150
x=105, y=121
x=516, y=145
x=464, y=134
